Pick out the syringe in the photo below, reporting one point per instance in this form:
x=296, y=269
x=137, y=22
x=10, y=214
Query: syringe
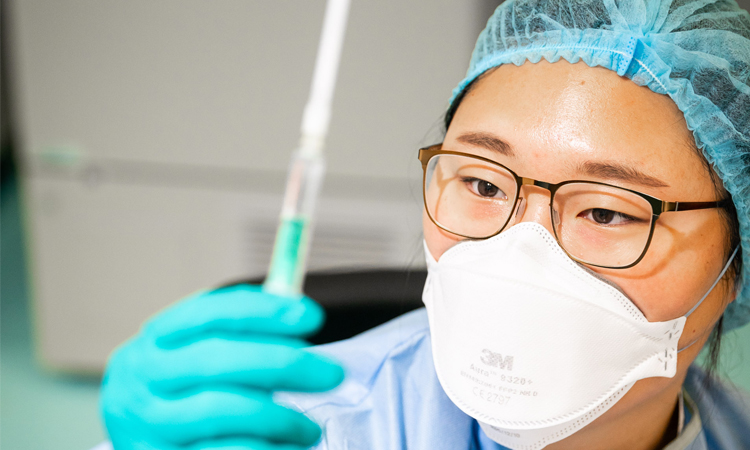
x=289, y=259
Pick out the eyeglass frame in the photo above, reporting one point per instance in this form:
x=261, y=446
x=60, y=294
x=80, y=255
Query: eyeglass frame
x=658, y=206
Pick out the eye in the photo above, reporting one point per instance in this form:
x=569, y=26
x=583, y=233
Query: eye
x=607, y=217
x=484, y=188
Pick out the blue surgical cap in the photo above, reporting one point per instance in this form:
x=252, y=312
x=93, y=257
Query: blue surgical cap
x=695, y=51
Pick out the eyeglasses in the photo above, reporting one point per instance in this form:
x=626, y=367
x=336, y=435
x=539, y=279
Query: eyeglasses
x=595, y=223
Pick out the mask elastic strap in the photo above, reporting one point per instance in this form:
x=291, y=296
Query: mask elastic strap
x=721, y=275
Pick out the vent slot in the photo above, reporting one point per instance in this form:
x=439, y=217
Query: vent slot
x=333, y=246
x=346, y=235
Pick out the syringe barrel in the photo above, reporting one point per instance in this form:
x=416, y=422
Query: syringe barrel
x=303, y=184
x=289, y=259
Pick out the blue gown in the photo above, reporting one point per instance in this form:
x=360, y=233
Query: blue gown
x=391, y=399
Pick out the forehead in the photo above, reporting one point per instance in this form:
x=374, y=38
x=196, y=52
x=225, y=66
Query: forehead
x=560, y=116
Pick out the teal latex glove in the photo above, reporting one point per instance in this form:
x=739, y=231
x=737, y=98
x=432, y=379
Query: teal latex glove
x=200, y=375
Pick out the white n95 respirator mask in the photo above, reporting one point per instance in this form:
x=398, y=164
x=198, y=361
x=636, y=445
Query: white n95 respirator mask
x=531, y=344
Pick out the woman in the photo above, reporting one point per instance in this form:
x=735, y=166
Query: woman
x=586, y=220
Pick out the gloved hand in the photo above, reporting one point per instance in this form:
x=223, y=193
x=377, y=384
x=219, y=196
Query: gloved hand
x=200, y=375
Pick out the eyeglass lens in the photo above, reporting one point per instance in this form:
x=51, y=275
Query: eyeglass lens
x=597, y=224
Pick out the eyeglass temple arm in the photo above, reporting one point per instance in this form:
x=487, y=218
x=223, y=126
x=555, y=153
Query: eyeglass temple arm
x=692, y=206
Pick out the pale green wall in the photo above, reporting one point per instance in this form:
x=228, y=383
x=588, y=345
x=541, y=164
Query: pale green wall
x=38, y=410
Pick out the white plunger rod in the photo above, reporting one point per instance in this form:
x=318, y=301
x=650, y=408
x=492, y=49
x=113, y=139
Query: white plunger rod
x=317, y=113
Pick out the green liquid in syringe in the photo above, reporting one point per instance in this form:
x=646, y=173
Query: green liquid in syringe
x=288, y=260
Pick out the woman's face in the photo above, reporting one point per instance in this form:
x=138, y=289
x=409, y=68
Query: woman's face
x=561, y=118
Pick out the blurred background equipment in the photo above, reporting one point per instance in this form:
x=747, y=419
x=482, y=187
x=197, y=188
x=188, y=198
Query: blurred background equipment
x=154, y=140
x=144, y=153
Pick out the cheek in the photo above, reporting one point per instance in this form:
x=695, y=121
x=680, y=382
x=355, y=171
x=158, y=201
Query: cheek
x=438, y=241
x=675, y=273
x=666, y=292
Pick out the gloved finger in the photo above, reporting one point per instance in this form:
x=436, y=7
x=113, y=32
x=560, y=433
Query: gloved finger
x=231, y=412
x=242, y=444
x=236, y=309
x=267, y=362
x=129, y=439
x=136, y=443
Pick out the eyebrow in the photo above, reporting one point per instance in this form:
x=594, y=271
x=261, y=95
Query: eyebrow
x=616, y=171
x=488, y=141
x=609, y=170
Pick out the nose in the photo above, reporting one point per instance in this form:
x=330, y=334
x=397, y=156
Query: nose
x=533, y=206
